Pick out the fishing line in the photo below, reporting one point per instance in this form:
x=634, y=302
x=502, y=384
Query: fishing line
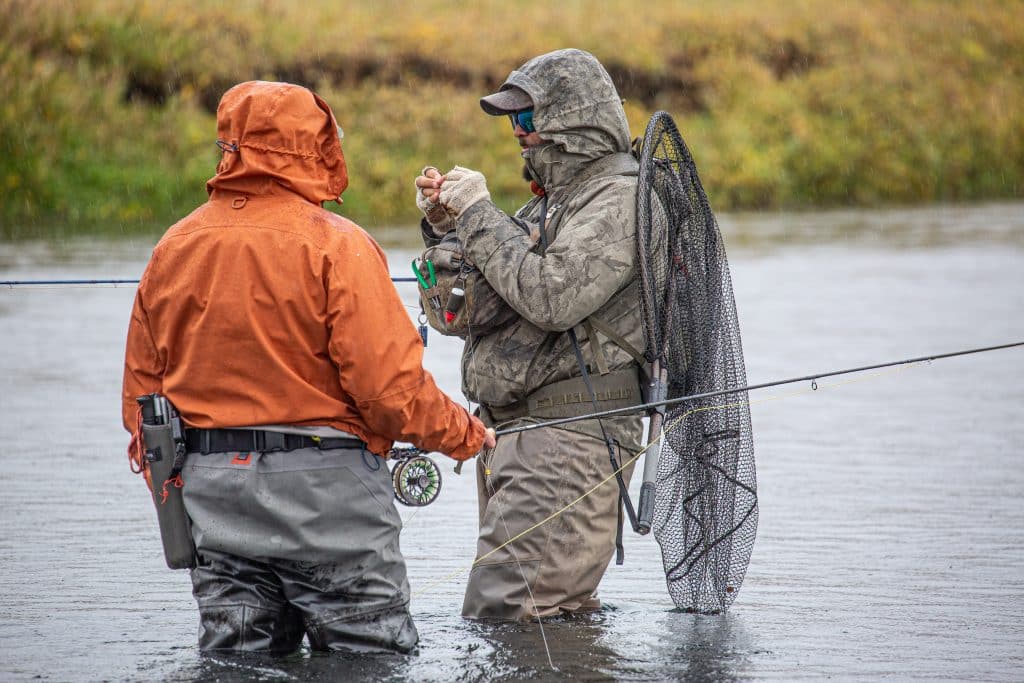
x=57, y=284
x=672, y=425
x=11, y=284
x=568, y=505
x=508, y=532
x=83, y=283
x=115, y=284
x=893, y=368
x=813, y=378
x=751, y=387
x=522, y=572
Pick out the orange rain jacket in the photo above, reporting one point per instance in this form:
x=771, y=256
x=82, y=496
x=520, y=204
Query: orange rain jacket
x=262, y=308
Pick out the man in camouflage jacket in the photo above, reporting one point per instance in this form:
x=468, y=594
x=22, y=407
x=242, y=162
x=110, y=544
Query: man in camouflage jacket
x=578, y=276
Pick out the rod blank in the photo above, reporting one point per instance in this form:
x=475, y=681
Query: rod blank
x=29, y=283
x=750, y=387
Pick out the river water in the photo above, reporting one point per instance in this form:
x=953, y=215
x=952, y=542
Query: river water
x=891, y=537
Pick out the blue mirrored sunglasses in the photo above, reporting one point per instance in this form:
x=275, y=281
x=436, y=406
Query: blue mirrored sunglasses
x=523, y=119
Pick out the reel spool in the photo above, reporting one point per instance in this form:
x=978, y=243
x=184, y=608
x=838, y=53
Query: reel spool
x=415, y=478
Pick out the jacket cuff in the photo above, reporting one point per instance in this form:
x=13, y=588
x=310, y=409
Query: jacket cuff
x=430, y=238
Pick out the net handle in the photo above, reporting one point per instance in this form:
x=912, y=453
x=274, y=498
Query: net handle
x=660, y=126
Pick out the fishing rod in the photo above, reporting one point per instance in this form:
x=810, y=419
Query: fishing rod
x=710, y=394
x=28, y=283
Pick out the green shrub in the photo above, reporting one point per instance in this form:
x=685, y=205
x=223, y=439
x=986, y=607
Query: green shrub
x=106, y=119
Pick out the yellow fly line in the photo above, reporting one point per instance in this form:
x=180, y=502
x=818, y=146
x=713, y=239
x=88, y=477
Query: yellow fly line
x=814, y=387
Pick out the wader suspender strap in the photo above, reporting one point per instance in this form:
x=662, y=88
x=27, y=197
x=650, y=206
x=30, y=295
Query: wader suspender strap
x=620, y=341
x=595, y=348
x=594, y=323
x=620, y=553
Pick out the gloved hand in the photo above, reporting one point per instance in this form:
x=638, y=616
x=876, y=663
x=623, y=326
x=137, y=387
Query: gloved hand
x=462, y=189
x=435, y=214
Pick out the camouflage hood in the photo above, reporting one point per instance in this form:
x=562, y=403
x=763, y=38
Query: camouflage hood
x=576, y=107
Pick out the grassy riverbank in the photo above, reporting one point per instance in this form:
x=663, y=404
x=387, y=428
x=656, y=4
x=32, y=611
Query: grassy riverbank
x=106, y=123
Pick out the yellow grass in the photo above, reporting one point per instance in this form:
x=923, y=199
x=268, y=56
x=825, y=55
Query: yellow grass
x=106, y=119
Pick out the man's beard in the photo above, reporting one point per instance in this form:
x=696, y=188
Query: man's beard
x=526, y=174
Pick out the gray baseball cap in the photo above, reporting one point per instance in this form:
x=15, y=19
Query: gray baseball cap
x=507, y=100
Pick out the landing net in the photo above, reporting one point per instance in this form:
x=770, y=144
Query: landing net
x=705, y=510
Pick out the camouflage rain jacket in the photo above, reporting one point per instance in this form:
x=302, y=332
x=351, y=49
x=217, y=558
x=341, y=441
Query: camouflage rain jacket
x=587, y=270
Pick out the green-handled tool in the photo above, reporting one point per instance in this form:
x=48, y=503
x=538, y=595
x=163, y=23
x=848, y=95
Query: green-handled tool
x=431, y=280
x=428, y=282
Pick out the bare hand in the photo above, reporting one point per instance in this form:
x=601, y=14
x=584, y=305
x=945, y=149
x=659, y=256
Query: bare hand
x=430, y=182
x=490, y=439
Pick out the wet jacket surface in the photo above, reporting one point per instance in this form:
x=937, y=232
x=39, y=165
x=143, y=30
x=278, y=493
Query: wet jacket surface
x=263, y=308
x=588, y=267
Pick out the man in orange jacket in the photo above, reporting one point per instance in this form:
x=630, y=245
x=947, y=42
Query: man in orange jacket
x=273, y=327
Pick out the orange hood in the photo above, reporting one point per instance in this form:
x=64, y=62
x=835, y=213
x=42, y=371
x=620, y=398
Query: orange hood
x=278, y=136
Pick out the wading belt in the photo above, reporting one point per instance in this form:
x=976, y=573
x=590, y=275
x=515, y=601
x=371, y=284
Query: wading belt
x=571, y=398
x=207, y=441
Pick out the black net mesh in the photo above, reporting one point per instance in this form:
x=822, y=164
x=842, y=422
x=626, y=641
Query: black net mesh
x=705, y=510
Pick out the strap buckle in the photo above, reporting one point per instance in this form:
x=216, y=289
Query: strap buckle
x=267, y=442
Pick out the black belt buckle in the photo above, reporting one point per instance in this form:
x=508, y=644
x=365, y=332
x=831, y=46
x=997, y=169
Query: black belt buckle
x=268, y=442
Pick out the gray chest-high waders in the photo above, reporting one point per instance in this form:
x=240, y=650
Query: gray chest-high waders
x=164, y=436
x=415, y=477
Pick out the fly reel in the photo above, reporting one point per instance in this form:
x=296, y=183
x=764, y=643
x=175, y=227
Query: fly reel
x=415, y=478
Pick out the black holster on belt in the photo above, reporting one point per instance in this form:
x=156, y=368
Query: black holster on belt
x=164, y=437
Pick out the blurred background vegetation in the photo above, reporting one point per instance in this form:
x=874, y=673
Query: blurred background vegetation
x=107, y=108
